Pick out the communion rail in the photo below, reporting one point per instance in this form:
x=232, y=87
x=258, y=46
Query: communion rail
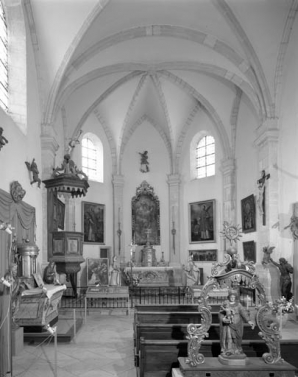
x=146, y=296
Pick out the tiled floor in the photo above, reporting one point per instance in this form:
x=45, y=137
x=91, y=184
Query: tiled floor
x=103, y=347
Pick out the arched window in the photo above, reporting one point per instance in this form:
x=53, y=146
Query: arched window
x=92, y=157
x=205, y=157
x=3, y=60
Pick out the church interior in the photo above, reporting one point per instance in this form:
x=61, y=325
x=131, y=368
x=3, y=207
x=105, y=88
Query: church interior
x=144, y=144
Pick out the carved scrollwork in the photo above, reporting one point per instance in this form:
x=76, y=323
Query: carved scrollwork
x=196, y=334
x=269, y=326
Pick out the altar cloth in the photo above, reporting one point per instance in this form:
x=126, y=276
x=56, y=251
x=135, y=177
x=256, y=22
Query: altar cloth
x=151, y=276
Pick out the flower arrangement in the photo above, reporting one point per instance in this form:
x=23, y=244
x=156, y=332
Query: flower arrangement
x=281, y=305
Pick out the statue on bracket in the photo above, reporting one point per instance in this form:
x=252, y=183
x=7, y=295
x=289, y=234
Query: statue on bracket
x=34, y=170
x=144, y=168
x=3, y=140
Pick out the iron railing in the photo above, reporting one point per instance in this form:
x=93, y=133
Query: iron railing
x=146, y=296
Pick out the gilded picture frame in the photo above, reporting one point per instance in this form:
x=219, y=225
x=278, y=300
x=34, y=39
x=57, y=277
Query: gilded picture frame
x=206, y=255
x=248, y=214
x=202, y=220
x=93, y=223
x=97, y=271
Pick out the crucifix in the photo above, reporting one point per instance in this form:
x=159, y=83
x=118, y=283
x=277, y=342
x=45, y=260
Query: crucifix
x=262, y=199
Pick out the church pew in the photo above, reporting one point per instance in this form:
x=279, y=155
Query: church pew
x=179, y=332
x=158, y=357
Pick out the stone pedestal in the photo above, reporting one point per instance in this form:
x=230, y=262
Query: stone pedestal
x=255, y=367
x=17, y=341
x=269, y=276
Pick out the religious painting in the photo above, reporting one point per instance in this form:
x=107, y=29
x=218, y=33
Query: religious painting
x=93, y=218
x=248, y=214
x=202, y=221
x=98, y=271
x=145, y=216
x=204, y=255
x=249, y=251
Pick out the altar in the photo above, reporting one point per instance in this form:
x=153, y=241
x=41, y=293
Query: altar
x=151, y=276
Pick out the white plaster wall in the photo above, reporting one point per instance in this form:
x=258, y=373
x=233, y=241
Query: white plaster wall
x=101, y=193
x=198, y=190
x=23, y=148
x=146, y=138
x=247, y=172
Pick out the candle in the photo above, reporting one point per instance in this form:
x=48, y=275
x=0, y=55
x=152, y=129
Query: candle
x=247, y=302
x=119, y=215
x=173, y=213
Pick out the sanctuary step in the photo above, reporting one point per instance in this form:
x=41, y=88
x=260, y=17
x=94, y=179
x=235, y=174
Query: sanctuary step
x=65, y=331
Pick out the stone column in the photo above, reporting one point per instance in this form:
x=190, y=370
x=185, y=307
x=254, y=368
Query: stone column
x=119, y=248
x=174, y=218
x=49, y=147
x=228, y=169
x=267, y=147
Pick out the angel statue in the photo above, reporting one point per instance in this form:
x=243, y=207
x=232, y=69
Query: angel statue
x=34, y=169
x=144, y=162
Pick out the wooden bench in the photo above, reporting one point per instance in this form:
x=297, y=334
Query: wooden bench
x=179, y=332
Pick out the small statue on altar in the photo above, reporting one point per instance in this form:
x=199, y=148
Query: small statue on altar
x=192, y=272
x=50, y=275
x=231, y=317
x=114, y=273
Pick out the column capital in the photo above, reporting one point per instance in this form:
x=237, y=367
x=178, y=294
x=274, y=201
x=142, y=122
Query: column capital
x=228, y=165
x=49, y=138
x=267, y=132
x=174, y=179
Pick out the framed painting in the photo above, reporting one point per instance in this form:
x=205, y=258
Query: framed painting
x=93, y=220
x=98, y=271
x=249, y=251
x=204, y=255
x=248, y=214
x=202, y=221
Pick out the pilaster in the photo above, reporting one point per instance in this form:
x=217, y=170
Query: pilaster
x=267, y=149
x=174, y=218
x=228, y=169
x=49, y=147
x=118, y=185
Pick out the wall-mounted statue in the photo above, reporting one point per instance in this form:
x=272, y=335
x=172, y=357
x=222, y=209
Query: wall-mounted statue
x=34, y=170
x=3, y=140
x=144, y=168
